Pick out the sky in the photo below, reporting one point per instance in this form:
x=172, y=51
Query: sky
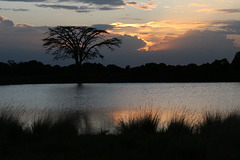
x=176, y=32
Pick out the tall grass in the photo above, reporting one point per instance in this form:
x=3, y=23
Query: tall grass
x=178, y=126
x=63, y=125
x=140, y=136
x=222, y=126
x=144, y=121
x=10, y=125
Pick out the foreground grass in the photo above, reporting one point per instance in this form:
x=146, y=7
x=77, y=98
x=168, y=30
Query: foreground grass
x=139, y=137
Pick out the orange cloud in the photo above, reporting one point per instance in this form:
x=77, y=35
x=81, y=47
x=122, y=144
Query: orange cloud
x=208, y=10
x=197, y=5
x=143, y=6
x=236, y=39
x=24, y=25
x=2, y=17
x=154, y=32
x=167, y=7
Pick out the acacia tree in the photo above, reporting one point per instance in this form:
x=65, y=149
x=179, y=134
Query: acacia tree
x=78, y=42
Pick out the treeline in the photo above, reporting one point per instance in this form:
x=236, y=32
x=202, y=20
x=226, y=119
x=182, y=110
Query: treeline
x=37, y=72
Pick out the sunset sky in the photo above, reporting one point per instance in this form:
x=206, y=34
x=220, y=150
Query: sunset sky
x=159, y=31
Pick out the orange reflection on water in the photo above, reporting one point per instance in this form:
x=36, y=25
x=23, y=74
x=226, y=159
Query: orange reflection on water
x=165, y=115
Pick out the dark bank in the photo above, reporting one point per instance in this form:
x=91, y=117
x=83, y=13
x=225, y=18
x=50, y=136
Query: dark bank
x=36, y=72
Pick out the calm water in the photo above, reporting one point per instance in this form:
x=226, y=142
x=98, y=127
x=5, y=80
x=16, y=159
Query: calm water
x=217, y=96
x=105, y=98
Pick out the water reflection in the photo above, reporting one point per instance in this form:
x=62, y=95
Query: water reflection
x=197, y=96
x=104, y=102
x=165, y=115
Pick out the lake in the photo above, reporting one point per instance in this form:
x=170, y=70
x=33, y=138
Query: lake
x=103, y=100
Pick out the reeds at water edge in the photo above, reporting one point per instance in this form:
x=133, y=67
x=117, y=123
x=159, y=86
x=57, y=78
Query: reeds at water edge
x=67, y=136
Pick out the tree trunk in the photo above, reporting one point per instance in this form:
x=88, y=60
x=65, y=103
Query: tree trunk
x=78, y=71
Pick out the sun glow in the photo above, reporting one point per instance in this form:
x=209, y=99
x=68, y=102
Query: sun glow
x=157, y=32
x=165, y=115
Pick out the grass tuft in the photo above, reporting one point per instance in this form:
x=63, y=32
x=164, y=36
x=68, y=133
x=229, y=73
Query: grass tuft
x=178, y=126
x=10, y=125
x=58, y=136
x=144, y=121
x=65, y=124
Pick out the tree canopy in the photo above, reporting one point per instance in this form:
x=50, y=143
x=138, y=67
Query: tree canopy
x=78, y=42
x=236, y=59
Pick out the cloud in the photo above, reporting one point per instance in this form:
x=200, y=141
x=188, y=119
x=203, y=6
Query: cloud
x=20, y=36
x=2, y=18
x=21, y=42
x=127, y=54
x=155, y=32
x=81, y=9
x=13, y=9
x=143, y=6
x=96, y=2
x=231, y=11
x=58, y=6
x=25, y=0
x=131, y=3
x=192, y=47
x=194, y=39
x=105, y=8
x=167, y=7
x=5, y=23
x=198, y=47
x=208, y=10
x=102, y=2
x=197, y=5
x=103, y=26
x=173, y=42
x=232, y=27
x=131, y=18
x=223, y=11
x=228, y=1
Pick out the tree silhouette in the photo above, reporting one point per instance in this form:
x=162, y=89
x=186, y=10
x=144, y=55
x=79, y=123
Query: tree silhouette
x=236, y=60
x=78, y=42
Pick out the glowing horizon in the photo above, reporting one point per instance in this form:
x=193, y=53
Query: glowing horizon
x=156, y=25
